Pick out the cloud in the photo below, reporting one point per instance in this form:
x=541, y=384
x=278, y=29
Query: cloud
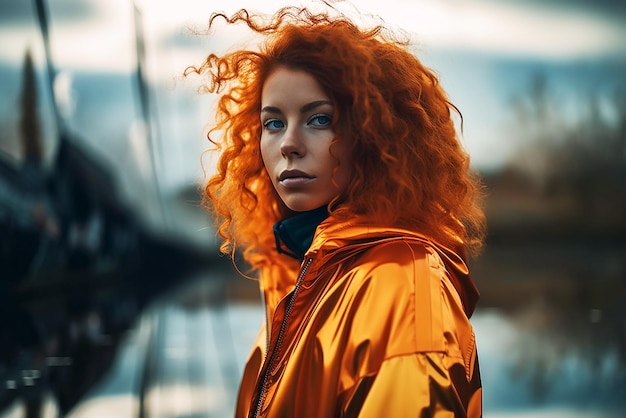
x=15, y=12
x=513, y=28
x=23, y=12
x=98, y=35
x=611, y=9
x=84, y=34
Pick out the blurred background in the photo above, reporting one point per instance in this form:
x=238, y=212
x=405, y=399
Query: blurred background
x=113, y=298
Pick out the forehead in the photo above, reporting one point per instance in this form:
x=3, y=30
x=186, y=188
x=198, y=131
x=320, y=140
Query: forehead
x=286, y=86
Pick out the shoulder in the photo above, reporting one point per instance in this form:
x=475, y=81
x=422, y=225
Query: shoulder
x=406, y=282
x=400, y=263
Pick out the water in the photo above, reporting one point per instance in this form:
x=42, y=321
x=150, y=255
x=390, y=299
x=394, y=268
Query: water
x=192, y=359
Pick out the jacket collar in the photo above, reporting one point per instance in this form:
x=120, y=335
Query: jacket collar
x=338, y=239
x=294, y=235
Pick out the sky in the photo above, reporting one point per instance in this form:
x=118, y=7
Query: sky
x=484, y=51
x=551, y=29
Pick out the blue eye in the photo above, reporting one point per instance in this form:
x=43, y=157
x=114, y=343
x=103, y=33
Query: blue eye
x=273, y=124
x=320, y=121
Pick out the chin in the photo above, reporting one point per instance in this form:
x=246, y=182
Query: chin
x=300, y=206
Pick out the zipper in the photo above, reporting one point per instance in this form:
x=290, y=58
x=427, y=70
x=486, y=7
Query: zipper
x=262, y=386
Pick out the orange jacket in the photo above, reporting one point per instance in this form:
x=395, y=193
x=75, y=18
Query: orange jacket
x=375, y=326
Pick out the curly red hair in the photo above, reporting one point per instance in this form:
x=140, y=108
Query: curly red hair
x=410, y=169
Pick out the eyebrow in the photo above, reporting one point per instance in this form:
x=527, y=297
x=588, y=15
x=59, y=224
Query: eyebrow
x=306, y=108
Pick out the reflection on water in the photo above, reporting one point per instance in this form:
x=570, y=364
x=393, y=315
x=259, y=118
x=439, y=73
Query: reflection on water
x=198, y=356
x=184, y=360
x=530, y=373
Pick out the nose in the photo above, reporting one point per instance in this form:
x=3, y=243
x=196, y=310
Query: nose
x=292, y=144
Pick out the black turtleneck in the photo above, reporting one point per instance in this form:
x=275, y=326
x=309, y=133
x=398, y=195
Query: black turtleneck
x=296, y=233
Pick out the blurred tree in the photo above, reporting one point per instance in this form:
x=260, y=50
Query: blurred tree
x=581, y=162
x=555, y=259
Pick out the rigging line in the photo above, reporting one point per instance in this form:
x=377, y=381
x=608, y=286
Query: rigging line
x=149, y=341
x=146, y=110
x=42, y=18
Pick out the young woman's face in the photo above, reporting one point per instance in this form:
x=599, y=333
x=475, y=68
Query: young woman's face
x=296, y=116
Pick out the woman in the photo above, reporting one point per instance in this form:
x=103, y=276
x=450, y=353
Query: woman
x=342, y=181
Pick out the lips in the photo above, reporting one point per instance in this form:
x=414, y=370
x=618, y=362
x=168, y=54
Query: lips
x=294, y=178
x=293, y=174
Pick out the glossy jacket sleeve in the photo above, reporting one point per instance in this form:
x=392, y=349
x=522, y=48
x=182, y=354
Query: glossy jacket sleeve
x=430, y=368
x=417, y=385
